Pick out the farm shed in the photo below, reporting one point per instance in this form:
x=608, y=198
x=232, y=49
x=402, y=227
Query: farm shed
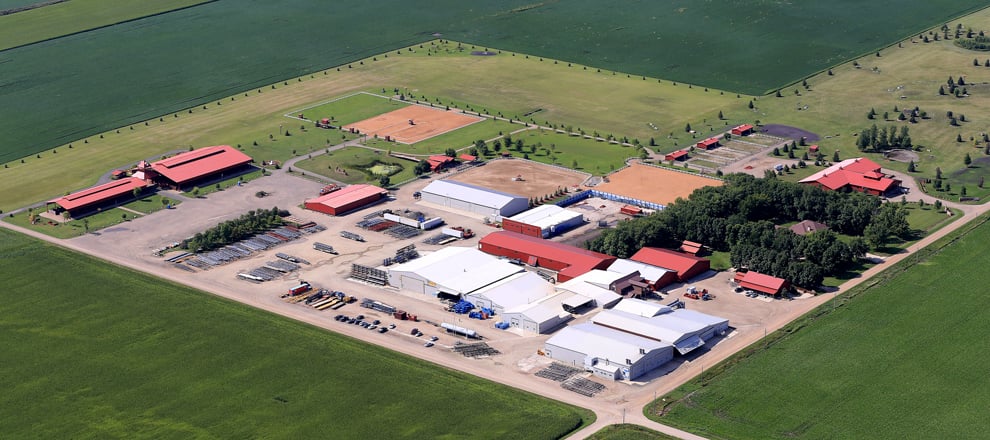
x=687, y=266
x=347, y=199
x=519, y=289
x=471, y=198
x=569, y=261
x=541, y=316
x=607, y=353
x=639, y=307
x=676, y=155
x=742, y=130
x=858, y=174
x=684, y=335
x=690, y=247
x=595, y=293
x=708, y=144
x=89, y=199
x=543, y=221
x=187, y=168
x=714, y=325
x=439, y=161
x=452, y=270
x=654, y=276
x=761, y=282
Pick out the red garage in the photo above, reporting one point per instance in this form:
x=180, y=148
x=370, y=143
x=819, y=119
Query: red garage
x=347, y=199
x=687, y=266
x=567, y=260
x=761, y=283
x=742, y=130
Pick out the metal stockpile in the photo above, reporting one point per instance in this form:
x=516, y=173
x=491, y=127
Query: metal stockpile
x=475, y=350
x=264, y=273
x=369, y=274
x=438, y=239
x=291, y=258
x=402, y=255
x=558, y=372
x=322, y=247
x=351, y=236
x=403, y=232
x=582, y=386
x=282, y=266
x=244, y=248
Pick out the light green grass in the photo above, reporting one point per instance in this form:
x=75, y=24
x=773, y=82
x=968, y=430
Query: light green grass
x=629, y=432
x=873, y=362
x=243, y=179
x=356, y=161
x=122, y=354
x=73, y=228
x=592, y=156
x=152, y=203
x=459, y=139
x=350, y=109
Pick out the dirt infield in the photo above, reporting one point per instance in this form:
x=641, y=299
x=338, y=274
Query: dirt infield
x=538, y=179
x=414, y=123
x=654, y=184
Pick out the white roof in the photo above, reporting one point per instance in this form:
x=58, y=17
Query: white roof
x=545, y=216
x=675, y=332
x=580, y=287
x=698, y=317
x=519, y=289
x=470, y=193
x=647, y=271
x=641, y=308
x=829, y=170
x=543, y=310
x=604, y=343
x=600, y=278
x=461, y=269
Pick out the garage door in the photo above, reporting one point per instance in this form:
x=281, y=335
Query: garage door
x=413, y=284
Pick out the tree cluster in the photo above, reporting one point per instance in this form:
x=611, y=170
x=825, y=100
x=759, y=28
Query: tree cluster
x=235, y=230
x=975, y=42
x=740, y=217
x=883, y=139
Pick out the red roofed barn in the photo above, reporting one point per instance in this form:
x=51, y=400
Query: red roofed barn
x=742, y=130
x=761, y=283
x=708, y=144
x=438, y=161
x=687, y=266
x=569, y=261
x=347, y=199
x=676, y=155
x=859, y=174
x=197, y=165
x=89, y=199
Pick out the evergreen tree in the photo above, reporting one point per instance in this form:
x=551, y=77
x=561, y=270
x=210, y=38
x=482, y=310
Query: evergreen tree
x=911, y=167
x=967, y=160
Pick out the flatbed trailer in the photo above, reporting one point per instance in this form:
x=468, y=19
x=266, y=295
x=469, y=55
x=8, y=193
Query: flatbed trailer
x=332, y=303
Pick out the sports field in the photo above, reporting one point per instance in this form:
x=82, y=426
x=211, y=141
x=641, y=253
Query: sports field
x=894, y=359
x=537, y=179
x=95, y=350
x=654, y=184
x=412, y=124
x=349, y=109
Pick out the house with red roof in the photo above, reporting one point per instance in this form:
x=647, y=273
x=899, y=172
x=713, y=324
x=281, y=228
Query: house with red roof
x=859, y=174
x=569, y=261
x=687, y=266
x=742, y=130
x=761, y=282
x=676, y=155
x=708, y=144
x=199, y=165
x=107, y=194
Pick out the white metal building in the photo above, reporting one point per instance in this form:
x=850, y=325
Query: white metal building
x=606, y=352
x=544, y=221
x=714, y=325
x=641, y=308
x=452, y=270
x=470, y=198
x=591, y=292
x=654, y=275
x=541, y=316
x=683, y=335
x=517, y=290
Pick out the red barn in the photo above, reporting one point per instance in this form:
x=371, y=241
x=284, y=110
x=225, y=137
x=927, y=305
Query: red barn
x=676, y=155
x=761, y=282
x=742, y=130
x=439, y=161
x=708, y=144
x=859, y=174
x=347, y=199
x=184, y=169
x=687, y=266
x=106, y=194
x=569, y=261
x=467, y=157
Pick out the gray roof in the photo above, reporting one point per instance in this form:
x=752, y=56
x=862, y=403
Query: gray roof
x=647, y=271
x=545, y=216
x=470, y=193
x=604, y=343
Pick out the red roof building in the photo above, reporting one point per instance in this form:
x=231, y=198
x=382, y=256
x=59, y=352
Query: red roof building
x=467, y=158
x=184, y=168
x=813, y=149
x=569, y=261
x=859, y=174
x=686, y=266
x=742, y=130
x=438, y=161
x=761, y=283
x=708, y=144
x=690, y=247
x=347, y=199
x=676, y=155
x=101, y=195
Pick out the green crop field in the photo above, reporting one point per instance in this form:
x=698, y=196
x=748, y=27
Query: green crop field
x=160, y=65
x=350, y=109
x=628, y=432
x=98, y=351
x=69, y=17
x=893, y=359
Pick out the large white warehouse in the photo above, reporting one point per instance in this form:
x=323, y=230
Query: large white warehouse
x=452, y=270
x=470, y=198
x=685, y=331
x=517, y=290
x=539, y=317
x=607, y=352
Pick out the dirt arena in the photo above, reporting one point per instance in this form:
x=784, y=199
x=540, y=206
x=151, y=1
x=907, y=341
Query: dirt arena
x=654, y=184
x=426, y=123
x=538, y=179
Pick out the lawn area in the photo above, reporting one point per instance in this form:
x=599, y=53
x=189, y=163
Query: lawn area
x=350, y=109
x=225, y=184
x=69, y=17
x=872, y=362
x=628, y=432
x=576, y=152
x=357, y=163
x=152, y=203
x=97, y=359
x=461, y=138
x=73, y=228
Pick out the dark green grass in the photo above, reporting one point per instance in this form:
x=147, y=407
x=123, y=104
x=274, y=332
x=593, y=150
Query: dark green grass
x=65, y=89
x=356, y=161
x=351, y=109
x=589, y=155
x=896, y=358
x=93, y=350
x=628, y=432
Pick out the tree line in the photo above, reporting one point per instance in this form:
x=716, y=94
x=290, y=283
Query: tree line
x=741, y=217
x=235, y=230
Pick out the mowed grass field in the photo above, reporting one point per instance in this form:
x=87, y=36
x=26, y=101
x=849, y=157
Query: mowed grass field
x=628, y=432
x=350, y=109
x=159, y=64
x=98, y=351
x=589, y=155
x=69, y=17
x=356, y=162
x=893, y=359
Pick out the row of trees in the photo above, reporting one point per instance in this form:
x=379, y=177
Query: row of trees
x=740, y=217
x=883, y=139
x=235, y=230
